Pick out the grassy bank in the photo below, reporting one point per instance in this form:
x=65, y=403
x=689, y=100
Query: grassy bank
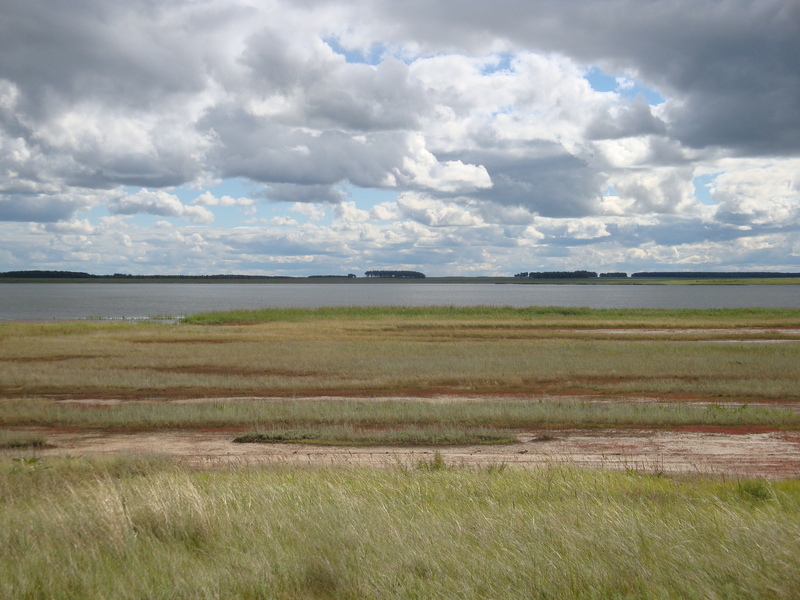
x=535, y=316
x=146, y=529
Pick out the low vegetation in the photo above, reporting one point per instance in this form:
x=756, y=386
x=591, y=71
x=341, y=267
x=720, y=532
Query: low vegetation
x=375, y=417
x=144, y=528
x=714, y=354
x=17, y=440
x=531, y=316
x=349, y=435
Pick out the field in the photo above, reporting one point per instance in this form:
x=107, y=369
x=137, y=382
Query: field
x=403, y=453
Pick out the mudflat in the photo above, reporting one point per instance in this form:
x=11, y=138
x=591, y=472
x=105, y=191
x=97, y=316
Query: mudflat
x=768, y=454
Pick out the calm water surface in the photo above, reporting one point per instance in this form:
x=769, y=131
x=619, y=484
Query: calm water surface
x=61, y=301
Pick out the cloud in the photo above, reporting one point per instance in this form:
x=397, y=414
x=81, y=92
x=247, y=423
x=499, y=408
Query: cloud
x=305, y=83
x=159, y=203
x=209, y=199
x=41, y=208
x=290, y=192
x=423, y=170
x=435, y=213
x=542, y=177
x=636, y=119
x=659, y=190
x=264, y=150
x=729, y=64
x=481, y=131
x=348, y=212
x=765, y=196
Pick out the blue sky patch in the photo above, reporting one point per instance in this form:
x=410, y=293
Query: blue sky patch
x=351, y=55
x=501, y=63
x=702, y=187
x=622, y=85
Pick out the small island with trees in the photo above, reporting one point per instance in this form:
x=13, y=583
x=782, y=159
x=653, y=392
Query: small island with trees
x=396, y=274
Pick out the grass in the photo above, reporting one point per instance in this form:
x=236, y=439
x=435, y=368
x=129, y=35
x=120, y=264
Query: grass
x=350, y=435
x=411, y=351
x=525, y=363
x=16, y=440
x=143, y=528
x=375, y=414
x=541, y=316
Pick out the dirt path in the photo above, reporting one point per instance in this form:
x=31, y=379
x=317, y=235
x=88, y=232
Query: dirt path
x=770, y=454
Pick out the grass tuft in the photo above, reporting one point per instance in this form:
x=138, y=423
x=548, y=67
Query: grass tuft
x=22, y=440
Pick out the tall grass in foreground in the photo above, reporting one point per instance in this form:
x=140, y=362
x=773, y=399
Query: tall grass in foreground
x=138, y=529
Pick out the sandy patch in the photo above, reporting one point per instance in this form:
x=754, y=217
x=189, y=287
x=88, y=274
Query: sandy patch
x=766, y=454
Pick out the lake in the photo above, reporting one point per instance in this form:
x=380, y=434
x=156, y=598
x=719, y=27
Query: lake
x=63, y=301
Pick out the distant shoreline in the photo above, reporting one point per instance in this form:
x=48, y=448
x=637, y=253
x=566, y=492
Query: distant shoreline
x=344, y=280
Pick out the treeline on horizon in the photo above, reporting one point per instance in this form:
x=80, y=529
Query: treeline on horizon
x=580, y=274
x=38, y=274
x=81, y=275
x=396, y=274
x=657, y=274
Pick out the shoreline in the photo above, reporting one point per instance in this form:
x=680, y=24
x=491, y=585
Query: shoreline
x=212, y=280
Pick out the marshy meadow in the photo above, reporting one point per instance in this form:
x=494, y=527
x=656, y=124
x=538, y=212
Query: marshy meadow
x=150, y=525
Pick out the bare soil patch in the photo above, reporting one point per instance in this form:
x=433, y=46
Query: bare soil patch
x=771, y=454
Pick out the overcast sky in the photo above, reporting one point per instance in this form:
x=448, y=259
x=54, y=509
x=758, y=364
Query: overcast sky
x=453, y=137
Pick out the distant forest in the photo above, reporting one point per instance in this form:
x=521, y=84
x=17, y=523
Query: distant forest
x=387, y=274
x=33, y=274
x=81, y=275
x=658, y=274
x=396, y=274
x=717, y=275
x=560, y=275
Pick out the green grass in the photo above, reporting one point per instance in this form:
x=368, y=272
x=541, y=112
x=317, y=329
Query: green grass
x=351, y=435
x=499, y=413
x=516, y=360
x=144, y=527
x=538, y=315
x=139, y=528
x=16, y=440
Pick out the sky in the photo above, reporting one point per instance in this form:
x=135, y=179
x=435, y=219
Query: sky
x=468, y=138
